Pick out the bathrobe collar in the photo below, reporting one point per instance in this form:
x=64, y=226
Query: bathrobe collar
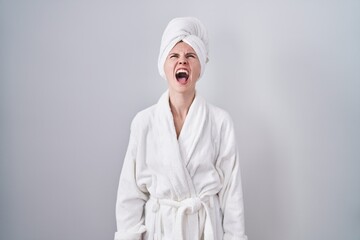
x=176, y=153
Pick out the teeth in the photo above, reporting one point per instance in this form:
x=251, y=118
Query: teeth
x=182, y=71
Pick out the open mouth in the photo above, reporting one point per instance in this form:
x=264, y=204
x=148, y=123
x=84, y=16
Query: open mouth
x=182, y=75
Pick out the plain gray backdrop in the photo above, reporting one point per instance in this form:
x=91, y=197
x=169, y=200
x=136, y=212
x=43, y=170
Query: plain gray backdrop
x=74, y=73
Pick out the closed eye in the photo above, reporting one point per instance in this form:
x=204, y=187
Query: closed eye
x=191, y=55
x=174, y=55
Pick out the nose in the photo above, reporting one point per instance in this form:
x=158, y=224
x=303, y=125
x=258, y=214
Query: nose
x=183, y=60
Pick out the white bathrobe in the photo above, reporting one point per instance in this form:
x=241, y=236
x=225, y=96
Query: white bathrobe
x=184, y=188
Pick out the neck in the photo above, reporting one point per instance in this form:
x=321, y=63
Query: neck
x=180, y=103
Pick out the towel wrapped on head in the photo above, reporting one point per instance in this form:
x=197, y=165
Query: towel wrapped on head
x=189, y=30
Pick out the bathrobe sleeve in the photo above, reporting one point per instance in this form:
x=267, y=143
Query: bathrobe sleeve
x=230, y=196
x=130, y=197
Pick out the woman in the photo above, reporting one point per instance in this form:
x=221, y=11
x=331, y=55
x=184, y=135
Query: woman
x=181, y=175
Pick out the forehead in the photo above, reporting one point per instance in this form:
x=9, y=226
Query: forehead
x=182, y=47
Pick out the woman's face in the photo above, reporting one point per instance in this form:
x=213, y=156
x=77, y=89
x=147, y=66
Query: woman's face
x=182, y=68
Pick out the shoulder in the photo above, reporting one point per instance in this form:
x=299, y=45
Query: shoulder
x=222, y=127
x=143, y=118
x=220, y=116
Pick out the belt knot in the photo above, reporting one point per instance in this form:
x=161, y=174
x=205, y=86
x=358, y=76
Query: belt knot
x=191, y=205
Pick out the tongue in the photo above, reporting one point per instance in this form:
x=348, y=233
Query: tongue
x=182, y=80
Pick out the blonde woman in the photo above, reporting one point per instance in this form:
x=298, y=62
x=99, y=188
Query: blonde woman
x=181, y=175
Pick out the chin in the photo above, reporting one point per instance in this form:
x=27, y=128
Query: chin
x=183, y=89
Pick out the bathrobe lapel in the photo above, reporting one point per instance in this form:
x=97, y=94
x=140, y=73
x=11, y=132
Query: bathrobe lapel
x=193, y=128
x=176, y=153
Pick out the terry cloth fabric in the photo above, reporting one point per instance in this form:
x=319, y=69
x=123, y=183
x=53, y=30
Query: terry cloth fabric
x=182, y=188
x=189, y=30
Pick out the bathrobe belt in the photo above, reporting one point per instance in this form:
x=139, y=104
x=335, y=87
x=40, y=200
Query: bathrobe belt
x=188, y=206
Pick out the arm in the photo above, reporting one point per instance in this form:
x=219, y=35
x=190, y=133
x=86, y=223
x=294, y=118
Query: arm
x=130, y=198
x=230, y=196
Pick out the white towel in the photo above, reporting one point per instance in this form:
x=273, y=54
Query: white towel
x=189, y=30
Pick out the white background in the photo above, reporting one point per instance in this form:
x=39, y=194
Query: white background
x=74, y=73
